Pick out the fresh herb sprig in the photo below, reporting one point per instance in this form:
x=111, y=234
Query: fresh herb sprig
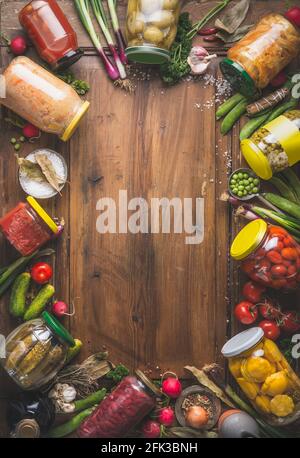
x=117, y=374
x=80, y=86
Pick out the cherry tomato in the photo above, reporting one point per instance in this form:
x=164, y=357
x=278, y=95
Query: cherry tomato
x=41, y=273
x=291, y=322
x=274, y=257
x=263, y=265
x=248, y=266
x=246, y=312
x=292, y=270
x=279, y=270
x=277, y=231
x=279, y=246
x=288, y=242
x=269, y=310
x=279, y=284
x=253, y=291
x=270, y=328
x=290, y=253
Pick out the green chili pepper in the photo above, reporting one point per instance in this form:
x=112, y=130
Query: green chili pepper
x=67, y=428
x=90, y=401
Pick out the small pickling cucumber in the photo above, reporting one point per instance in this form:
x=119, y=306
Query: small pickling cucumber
x=20, y=288
x=39, y=302
x=73, y=351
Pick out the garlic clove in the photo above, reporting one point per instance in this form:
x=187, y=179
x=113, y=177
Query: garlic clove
x=69, y=393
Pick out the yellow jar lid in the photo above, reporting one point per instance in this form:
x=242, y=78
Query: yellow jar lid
x=256, y=159
x=42, y=214
x=248, y=239
x=75, y=121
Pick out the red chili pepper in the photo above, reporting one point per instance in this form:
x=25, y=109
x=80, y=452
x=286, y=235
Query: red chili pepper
x=211, y=38
x=207, y=31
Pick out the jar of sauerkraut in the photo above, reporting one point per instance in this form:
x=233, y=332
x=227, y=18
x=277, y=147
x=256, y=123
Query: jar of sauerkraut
x=256, y=59
x=42, y=98
x=275, y=146
x=151, y=28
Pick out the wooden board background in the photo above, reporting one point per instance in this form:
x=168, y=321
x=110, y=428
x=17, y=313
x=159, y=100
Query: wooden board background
x=151, y=300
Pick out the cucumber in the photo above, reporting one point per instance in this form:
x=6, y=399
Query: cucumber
x=20, y=288
x=73, y=351
x=39, y=302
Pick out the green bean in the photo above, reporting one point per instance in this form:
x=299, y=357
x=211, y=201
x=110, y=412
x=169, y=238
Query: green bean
x=233, y=116
x=229, y=105
x=67, y=428
x=90, y=401
x=283, y=204
x=285, y=190
x=282, y=109
x=251, y=126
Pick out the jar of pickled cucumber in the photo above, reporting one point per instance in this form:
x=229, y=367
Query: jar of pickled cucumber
x=275, y=146
x=264, y=375
x=151, y=28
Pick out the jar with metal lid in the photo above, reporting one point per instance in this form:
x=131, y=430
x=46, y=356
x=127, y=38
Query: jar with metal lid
x=28, y=227
x=42, y=98
x=51, y=33
x=151, y=28
x=275, y=146
x=36, y=351
x=258, y=57
x=269, y=255
x=131, y=401
x=264, y=375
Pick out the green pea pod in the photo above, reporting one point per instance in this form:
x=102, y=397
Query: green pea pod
x=20, y=288
x=228, y=105
x=251, y=126
x=233, y=116
x=70, y=426
x=282, y=109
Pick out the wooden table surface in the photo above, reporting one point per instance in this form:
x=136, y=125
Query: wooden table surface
x=152, y=300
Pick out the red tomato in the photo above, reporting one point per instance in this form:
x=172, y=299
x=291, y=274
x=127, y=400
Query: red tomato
x=279, y=284
x=274, y=257
x=277, y=231
x=246, y=312
x=290, y=253
x=292, y=270
x=253, y=291
x=279, y=246
x=41, y=273
x=293, y=15
x=291, y=322
x=269, y=310
x=279, y=270
x=288, y=242
x=263, y=265
x=270, y=328
x=248, y=266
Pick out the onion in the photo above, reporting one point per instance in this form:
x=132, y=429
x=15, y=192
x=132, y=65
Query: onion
x=196, y=417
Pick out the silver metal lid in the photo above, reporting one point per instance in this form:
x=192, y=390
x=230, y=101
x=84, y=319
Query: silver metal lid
x=242, y=342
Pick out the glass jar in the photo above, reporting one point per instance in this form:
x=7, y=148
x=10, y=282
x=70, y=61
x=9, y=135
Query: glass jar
x=275, y=146
x=51, y=33
x=28, y=227
x=269, y=255
x=151, y=28
x=123, y=409
x=258, y=57
x=36, y=351
x=264, y=375
x=41, y=98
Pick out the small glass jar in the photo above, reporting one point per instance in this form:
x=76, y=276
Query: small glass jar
x=28, y=227
x=51, y=33
x=130, y=402
x=36, y=351
x=269, y=255
x=264, y=375
x=151, y=28
x=275, y=146
x=41, y=98
x=258, y=57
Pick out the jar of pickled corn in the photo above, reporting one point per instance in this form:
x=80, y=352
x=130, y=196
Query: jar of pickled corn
x=275, y=146
x=264, y=375
x=151, y=28
x=269, y=255
x=258, y=57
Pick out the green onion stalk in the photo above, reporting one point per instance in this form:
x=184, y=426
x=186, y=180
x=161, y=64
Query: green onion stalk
x=112, y=5
x=200, y=24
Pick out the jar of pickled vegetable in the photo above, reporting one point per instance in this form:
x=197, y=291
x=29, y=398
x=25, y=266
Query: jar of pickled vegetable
x=36, y=351
x=42, y=98
x=258, y=57
x=275, y=146
x=51, y=33
x=264, y=375
x=131, y=401
x=28, y=227
x=269, y=255
x=151, y=28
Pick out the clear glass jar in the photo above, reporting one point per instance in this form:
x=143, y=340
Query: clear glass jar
x=275, y=146
x=51, y=33
x=36, y=351
x=264, y=375
x=131, y=401
x=269, y=255
x=258, y=57
x=42, y=99
x=151, y=28
x=28, y=227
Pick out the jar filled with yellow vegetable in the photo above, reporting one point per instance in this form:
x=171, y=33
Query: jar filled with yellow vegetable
x=151, y=28
x=264, y=375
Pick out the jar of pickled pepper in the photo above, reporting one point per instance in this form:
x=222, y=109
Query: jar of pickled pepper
x=264, y=375
x=269, y=255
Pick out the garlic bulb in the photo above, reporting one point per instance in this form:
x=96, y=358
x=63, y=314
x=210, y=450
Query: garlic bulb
x=199, y=60
x=69, y=394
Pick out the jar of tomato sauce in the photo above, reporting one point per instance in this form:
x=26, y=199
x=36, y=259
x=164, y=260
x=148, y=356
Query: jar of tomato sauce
x=123, y=409
x=268, y=255
x=28, y=227
x=51, y=33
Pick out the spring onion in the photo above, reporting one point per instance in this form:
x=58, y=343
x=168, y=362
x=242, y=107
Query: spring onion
x=112, y=5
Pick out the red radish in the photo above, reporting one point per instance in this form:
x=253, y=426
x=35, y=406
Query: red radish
x=166, y=416
x=60, y=309
x=30, y=131
x=279, y=79
x=151, y=429
x=293, y=15
x=18, y=45
x=172, y=387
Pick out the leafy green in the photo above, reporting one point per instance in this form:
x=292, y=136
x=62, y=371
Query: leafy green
x=286, y=346
x=80, y=86
x=117, y=374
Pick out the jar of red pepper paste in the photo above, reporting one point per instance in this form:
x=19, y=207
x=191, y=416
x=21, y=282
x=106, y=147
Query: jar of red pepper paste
x=123, y=409
x=269, y=255
x=51, y=33
x=28, y=227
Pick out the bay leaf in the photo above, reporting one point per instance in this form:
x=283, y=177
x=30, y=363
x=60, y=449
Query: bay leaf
x=236, y=36
x=233, y=16
x=48, y=170
x=31, y=170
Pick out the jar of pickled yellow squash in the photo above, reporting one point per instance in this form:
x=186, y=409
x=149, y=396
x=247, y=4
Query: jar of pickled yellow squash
x=151, y=28
x=264, y=375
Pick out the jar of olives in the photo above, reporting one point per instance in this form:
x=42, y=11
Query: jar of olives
x=151, y=28
x=275, y=146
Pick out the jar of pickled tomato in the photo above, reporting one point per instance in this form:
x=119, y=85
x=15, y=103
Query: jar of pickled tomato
x=51, y=33
x=258, y=57
x=125, y=407
x=264, y=375
x=28, y=227
x=269, y=255
x=151, y=28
